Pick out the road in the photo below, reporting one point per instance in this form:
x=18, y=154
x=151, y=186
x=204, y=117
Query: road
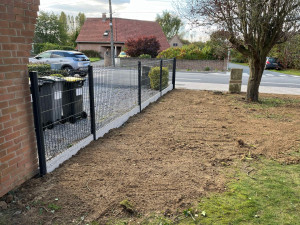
x=272, y=82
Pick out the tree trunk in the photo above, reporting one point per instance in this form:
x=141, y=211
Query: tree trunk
x=256, y=65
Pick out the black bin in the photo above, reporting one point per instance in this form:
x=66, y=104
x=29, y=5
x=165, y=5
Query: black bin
x=50, y=89
x=46, y=94
x=72, y=99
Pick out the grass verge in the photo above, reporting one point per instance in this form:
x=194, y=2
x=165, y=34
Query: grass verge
x=289, y=71
x=94, y=59
x=261, y=192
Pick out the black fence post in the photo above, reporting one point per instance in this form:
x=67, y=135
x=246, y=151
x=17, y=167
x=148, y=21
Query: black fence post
x=92, y=101
x=160, y=76
x=38, y=122
x=174, y=72
x=140, y=85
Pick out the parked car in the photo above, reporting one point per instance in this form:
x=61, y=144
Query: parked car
x=72, y=61
x=123, y=55
x=273, y=63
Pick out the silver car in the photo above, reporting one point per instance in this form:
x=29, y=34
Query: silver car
x=72, y=61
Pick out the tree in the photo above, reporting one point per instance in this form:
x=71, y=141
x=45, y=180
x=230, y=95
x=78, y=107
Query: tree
x=142, y=45
x=219, y=43
x=47, y=29
x=63, y=28
x=288, y=52
x=80, y=19
x=169, y=23
x=254, y=27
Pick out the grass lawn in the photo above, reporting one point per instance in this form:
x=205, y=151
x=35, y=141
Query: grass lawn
x=260, y=193
x=95, y=59
x=289, y=71
x=243, y=64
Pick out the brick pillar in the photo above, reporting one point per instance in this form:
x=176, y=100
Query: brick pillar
x=18, y=153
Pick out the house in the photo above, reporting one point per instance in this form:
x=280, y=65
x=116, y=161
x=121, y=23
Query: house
x=95, y=33
x=175, y=42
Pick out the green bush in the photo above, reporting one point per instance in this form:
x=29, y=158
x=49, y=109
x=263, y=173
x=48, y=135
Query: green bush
x=41, y=47
x=154, y=75
x=45, y=70
x=91, y=53
x=145, y=56
x=42, y=69
x=191, y=52
x=238, y=57
x=170, y=53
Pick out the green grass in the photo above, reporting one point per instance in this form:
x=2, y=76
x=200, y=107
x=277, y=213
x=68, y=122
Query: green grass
x=95, y=59
x=270, y=102
x=268, y=194
x=289, y=71
x=243, y=64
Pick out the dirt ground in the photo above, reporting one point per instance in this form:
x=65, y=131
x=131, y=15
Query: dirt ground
x=163, y=160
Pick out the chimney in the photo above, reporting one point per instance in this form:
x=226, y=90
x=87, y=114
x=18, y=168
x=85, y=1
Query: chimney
x=103, y=17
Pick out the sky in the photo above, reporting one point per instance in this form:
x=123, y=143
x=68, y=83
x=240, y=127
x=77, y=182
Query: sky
x=131, y=9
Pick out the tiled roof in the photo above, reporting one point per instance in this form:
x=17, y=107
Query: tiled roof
x=94, y=28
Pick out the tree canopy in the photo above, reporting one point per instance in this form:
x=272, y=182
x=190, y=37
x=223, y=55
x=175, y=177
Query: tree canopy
x=58, y=29
x=253, y=26
x=169, y=23
x=142, y=45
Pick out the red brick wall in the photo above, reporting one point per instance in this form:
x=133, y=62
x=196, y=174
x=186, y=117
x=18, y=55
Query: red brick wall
x=18, y=154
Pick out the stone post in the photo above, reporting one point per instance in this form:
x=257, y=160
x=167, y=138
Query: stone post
x=235, y=82
x=107, y=58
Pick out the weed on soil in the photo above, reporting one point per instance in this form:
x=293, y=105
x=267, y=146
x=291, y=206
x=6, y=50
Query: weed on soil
x=194, y=157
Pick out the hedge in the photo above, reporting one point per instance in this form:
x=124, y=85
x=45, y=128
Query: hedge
x=91, y=53
x=45, y=69
x=40, y=68
x=154, y=75
x=41, y=47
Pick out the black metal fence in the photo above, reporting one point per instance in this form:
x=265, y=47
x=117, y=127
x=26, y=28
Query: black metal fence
x=68, y=110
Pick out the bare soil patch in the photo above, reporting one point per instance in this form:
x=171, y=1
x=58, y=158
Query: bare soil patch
x=163, y=160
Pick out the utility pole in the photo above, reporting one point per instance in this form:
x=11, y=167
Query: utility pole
x=111, y=36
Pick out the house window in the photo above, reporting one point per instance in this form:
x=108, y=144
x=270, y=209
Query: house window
x=175, y=44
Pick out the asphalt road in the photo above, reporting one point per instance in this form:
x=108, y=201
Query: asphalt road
x=272, y=82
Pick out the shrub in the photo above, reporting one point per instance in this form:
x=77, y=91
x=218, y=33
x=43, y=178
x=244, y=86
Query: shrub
x=145, y=56
x=185, y=52
x=142, y=45
x=207, y=69
x=42, y=69
x=45, y=70
x=170, y=53
x=91, y=53
x=154, y=76
x=57, y=75
x=238, y=57
x=41, y=47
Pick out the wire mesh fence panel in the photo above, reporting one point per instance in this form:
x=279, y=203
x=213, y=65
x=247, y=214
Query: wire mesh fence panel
x=65, y=112
x=168, y=65
x=149, y=86
x=116, y=92
x=66, y=115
